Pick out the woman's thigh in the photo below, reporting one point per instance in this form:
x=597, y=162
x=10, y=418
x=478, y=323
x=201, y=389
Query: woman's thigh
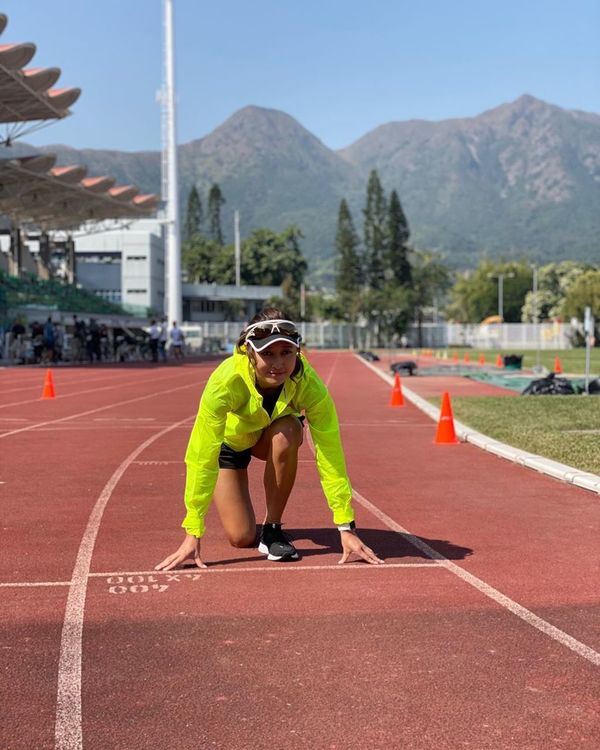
x=289, y=427
x=232, y=499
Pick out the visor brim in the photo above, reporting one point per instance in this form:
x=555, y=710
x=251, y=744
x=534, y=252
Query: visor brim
x=261, y=344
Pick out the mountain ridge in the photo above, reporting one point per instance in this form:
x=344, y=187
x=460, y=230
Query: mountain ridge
x=519, y=180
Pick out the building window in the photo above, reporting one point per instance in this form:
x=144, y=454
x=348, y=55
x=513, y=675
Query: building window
x=137, y=291
x=137, y=257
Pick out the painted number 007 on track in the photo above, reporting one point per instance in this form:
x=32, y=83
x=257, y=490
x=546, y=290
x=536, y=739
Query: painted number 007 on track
x=144, y=584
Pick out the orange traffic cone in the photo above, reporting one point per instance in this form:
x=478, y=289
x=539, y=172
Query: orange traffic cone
x=466, y=358
x=481, y=359
x=499, y=361
x=445, y=430
x=48, y=390
x=557, y=366
x=397, y=397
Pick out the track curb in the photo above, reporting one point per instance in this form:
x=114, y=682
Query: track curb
x=564, y=473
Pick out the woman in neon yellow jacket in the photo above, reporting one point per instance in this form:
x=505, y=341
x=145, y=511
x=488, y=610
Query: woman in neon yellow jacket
x=251, y=407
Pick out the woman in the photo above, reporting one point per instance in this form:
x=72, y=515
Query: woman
x=251, y=407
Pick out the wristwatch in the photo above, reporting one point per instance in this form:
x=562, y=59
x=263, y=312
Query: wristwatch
x=346, y=526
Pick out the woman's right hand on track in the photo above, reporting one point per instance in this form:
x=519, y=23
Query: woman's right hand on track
x=189, y=550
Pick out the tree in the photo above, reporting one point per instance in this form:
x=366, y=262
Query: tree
x=584, y=292
x=475, y=297
x=375, y=233
x=397, y=262
x=430, y=282
x=215, y=202
x=554, y=282
x=193, y=215
x=199, y=256
x=388, y=311
x=348, y=279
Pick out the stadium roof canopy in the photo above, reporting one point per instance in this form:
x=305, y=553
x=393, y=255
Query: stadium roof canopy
x=27, y=98
x=33, y=192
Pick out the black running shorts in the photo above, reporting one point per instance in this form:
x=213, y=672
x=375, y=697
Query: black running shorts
x=230, y=459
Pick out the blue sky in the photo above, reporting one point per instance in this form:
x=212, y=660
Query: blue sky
x=341, y=68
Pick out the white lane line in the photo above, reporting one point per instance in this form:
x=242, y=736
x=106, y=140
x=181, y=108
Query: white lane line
x=333, y=366
x=29, y=584
x=89, y=390
x=39, y=381
x=158, y=463
x=504, y=601
x=68, y=731
x=101, y=408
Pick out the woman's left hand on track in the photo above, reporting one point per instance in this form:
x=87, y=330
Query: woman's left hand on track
x=188, y=550
x=351, y=543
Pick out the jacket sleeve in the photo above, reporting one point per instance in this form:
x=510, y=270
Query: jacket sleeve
x=331, y=464
x=202, y=455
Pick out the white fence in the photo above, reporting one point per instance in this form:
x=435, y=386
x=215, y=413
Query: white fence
x=496, y=336
x=212, y=336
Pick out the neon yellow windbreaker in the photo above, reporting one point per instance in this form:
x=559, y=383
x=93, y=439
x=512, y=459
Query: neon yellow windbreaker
x=231, y=411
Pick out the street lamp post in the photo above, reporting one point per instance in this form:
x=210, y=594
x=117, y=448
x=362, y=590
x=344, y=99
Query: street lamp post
x=535, y=316
x=501, y=277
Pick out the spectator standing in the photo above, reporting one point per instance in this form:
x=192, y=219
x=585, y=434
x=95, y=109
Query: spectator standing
x=177, y=340
x=162, y=339
x=79, y=339
x=93, y=341
x=48, y=341
x=59, y=342
x=104, y=343
x=154, y=340
x=17, y=344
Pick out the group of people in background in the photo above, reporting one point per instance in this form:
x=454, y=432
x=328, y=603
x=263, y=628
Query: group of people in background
x=159, y=337
x=80, y=342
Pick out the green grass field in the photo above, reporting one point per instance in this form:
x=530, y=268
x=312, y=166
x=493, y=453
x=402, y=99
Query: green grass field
x=563, y=428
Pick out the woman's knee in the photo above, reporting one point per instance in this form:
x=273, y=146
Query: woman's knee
x=287, y=436
x=242, y=539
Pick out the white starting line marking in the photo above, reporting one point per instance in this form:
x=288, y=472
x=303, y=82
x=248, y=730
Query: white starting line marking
x=149, y=576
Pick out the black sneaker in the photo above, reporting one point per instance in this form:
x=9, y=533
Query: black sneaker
x=275, y=544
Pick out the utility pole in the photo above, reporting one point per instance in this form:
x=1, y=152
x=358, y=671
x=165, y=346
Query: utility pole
x=173, y=265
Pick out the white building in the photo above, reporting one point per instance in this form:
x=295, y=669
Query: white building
x=124, y=264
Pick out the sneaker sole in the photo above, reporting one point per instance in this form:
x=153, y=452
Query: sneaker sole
x=262, y=547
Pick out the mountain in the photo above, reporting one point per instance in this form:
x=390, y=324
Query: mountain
x=520, y=180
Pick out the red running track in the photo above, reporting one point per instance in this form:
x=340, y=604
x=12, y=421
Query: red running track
x=480, y=631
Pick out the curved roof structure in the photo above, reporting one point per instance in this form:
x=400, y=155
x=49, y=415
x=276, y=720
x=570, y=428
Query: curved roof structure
x=35, y=192
x=26, y=95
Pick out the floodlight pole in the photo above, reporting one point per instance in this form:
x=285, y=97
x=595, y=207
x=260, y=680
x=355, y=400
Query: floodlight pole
x=238, y=255
x=173, y=264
